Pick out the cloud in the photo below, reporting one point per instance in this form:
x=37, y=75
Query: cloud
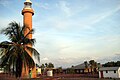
x=118, y=54
x=3, y=23
x=61, y=60
x=64, y=6
x=9, y=6
x=70, y=10
x=64, y=48
x=96, y=18
x=5, y=3
x=93, y=19
x=42, y=5
x=68, y=46
x=108, y=58
x=45, y=59
x=64, y=23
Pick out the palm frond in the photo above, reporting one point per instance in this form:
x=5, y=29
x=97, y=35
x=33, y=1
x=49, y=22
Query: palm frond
x=28, y=60
x=30, y=32
x=35, y=53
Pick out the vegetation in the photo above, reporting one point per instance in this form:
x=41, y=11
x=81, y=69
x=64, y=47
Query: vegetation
x=16, y=52
x=46, y=65
x=59, y=70
x=112, y=64
x=86, y=65
x=93, y=66
x=70, y=71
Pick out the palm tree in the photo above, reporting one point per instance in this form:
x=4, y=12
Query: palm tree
x=42, y=68
x=46, y=65
x=93, y=66
x=15, y=52
x=86, y=66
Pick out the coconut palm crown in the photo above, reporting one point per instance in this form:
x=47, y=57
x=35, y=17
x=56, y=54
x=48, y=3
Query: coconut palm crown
x=15, y=52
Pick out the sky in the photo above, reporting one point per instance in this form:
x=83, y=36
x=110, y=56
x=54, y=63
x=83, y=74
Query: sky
x=69, y=32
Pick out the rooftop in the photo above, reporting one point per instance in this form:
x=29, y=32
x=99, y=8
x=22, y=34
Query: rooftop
x=108, y=68
x=80, y=66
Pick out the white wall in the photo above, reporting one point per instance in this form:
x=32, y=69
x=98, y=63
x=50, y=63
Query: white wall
x=38, y=70
x=119, y=72
x=50, y=73
x=110, y=74
x=99, y=74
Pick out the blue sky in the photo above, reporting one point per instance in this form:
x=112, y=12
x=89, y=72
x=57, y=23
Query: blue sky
x=69, y=32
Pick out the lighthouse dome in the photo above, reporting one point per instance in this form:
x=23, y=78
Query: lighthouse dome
x=27, y=4
x=28, y=1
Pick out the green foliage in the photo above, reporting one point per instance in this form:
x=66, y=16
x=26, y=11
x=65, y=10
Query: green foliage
x=70, y=71
x=42, y=68
x=15, y=52
x=86, y=64
x=59, y=70
x=50, y=65
x=94, y=66
x=112, y=64
x=46, y=65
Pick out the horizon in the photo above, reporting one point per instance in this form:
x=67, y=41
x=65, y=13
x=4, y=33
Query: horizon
x=70, y=32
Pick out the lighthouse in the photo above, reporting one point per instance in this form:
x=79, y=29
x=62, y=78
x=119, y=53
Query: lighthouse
x=27, y=13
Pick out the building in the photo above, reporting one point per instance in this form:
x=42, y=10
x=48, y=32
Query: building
x=38, y=71
x=82, y=68
x=109, y=72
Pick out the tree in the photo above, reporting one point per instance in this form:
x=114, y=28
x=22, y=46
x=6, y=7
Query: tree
x=112, y=64
x=50, y=65
x=99, y=65
x=42, y=68
x=46, y=65
x=15, y=52
x=60, y=70
x=86, y=65
x=118, y=63
x=93, y=66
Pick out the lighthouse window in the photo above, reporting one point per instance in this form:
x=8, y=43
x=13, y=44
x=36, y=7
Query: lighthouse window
x=27, y=5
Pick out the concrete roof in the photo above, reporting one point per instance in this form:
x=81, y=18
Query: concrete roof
x=108, y=68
